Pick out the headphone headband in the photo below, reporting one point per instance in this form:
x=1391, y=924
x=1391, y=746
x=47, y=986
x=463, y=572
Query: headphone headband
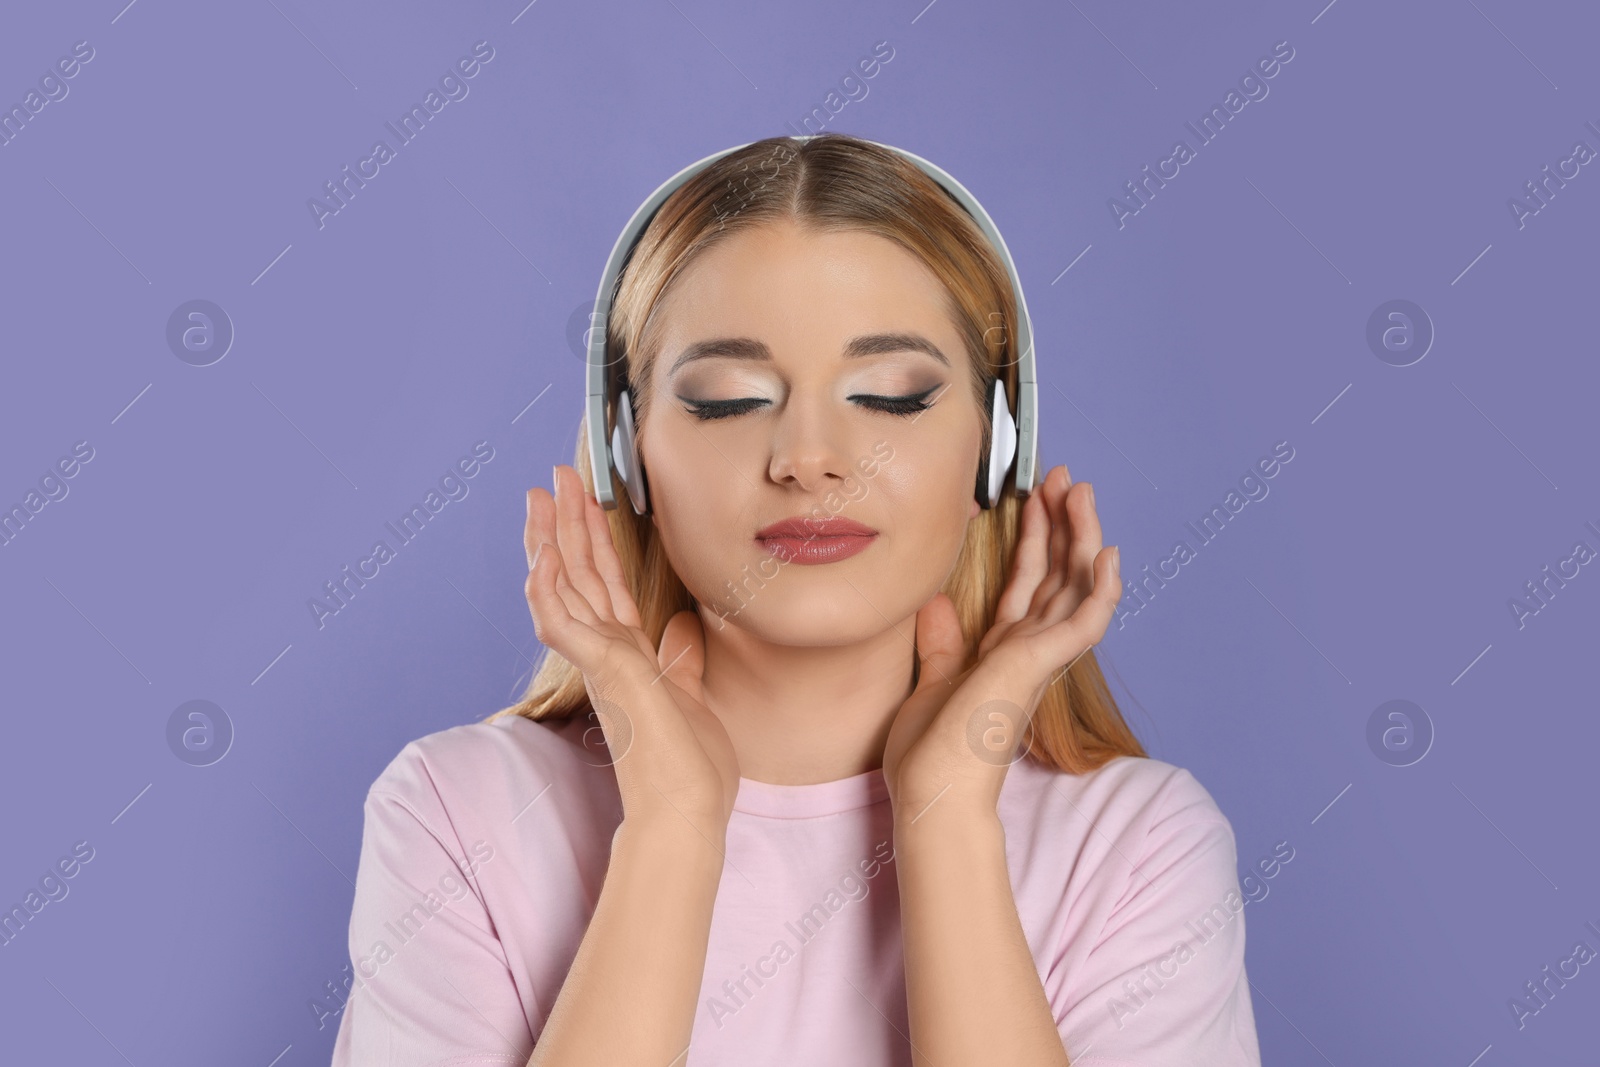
x=600, y=375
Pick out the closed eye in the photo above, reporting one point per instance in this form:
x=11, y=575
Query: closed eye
x=898, y=405
x=706, y=410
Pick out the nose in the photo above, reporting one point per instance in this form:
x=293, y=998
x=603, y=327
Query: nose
x=810, y=444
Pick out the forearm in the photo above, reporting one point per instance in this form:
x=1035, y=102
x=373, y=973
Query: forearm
x=633, y=987
x=972, y=992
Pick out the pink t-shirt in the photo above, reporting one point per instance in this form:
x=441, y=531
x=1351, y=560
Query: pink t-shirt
x=485, y=847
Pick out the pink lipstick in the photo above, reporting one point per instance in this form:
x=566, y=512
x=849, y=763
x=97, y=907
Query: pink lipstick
x=802, y=539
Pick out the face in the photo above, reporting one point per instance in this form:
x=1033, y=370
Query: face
x=825, y=383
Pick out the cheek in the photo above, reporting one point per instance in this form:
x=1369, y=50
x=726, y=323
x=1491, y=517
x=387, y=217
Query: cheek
x=694, y=513
x=703, y=510
x=928, y=498
x=696, y=543
x=688, y=470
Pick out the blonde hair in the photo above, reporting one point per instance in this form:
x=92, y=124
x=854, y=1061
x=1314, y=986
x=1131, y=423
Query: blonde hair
x=837, y=182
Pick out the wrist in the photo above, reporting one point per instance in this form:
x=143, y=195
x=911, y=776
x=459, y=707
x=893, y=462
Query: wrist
x=952, y=800
x=948, y=816
x=950, y=851
x=672, y=836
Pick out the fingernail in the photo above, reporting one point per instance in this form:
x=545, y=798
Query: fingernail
x=536, y=554
x=1091, y=494
x=1116, y=562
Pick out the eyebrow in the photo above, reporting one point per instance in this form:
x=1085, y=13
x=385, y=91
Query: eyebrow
x=857, y=347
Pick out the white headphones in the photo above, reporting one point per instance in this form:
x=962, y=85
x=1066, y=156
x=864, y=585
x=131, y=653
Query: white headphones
x=1011, y=438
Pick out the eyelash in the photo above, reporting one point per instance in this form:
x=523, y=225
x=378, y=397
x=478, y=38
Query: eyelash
x=706, y=410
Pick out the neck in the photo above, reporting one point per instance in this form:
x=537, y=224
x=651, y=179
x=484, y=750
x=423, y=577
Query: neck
x=798, y=715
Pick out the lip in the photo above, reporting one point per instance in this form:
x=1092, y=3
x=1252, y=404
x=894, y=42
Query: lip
x=804, y=540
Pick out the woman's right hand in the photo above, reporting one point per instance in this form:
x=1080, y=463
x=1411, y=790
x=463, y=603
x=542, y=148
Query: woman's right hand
x=670, y=752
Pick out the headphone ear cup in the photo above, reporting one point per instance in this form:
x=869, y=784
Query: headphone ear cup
x=625, y=458
x=1002, y=446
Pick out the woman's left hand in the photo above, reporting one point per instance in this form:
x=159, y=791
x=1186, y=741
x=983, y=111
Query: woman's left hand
x=954, y=738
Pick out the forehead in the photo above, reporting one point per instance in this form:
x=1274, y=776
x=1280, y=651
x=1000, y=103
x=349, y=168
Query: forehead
x=796, y=288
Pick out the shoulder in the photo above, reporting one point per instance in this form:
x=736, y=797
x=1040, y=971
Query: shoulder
x=1129, y=795
x=488, y=765
x=1129, y=826
x=1139, y=888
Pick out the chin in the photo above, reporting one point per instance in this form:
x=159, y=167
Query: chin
x=819, y=613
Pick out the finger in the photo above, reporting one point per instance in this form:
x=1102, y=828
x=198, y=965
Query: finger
x=683, y=653
x=1083, y=628
x=553, y=624
x=1085, y=539
x=941, y=646
x=542, y=531
x=608, y=566
x=1076, y=571
x=577, y=603
x=536, y=529
x=1055, y=494
x=1030, y=561
x=573, y=537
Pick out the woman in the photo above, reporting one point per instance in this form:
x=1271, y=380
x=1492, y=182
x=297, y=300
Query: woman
x=819, y=767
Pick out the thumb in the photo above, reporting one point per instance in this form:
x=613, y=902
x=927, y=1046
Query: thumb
x=941, y=647
x=683, y=652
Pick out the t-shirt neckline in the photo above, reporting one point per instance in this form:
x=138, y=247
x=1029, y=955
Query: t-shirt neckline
x=773, y=801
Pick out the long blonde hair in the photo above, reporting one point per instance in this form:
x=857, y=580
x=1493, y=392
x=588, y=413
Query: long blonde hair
x=837, y=182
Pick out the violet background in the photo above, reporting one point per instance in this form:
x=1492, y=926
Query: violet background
x=435, y=308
